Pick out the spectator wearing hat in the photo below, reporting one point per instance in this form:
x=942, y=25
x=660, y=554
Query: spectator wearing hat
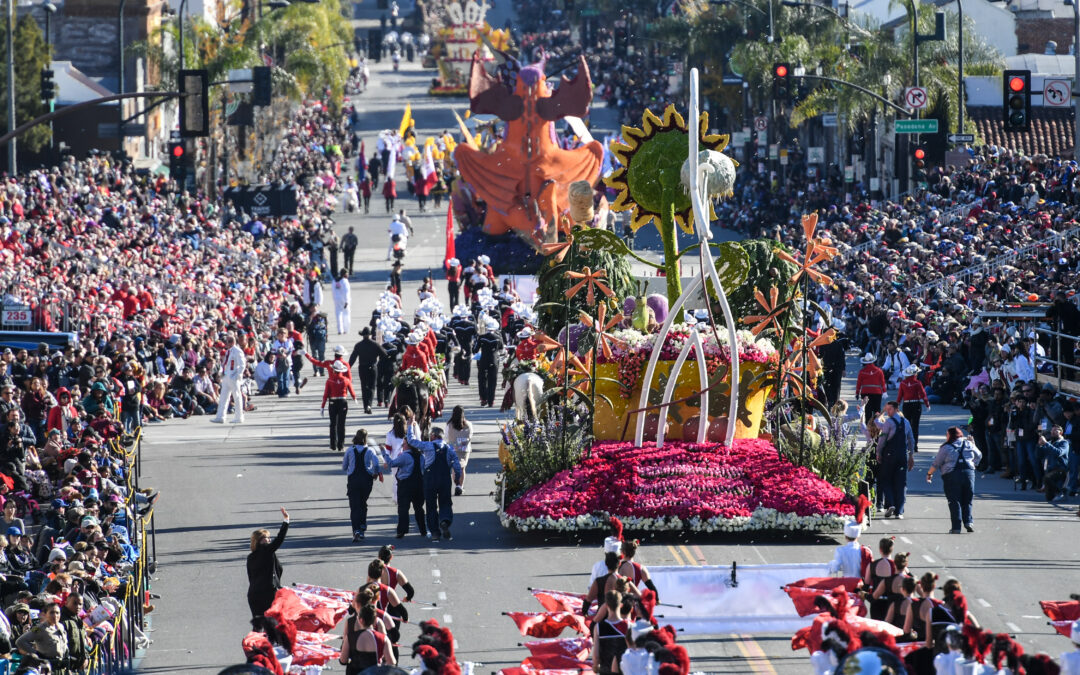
x=870, y=386
x=361, y=465
x=339, y=355
x=47, y=639
x=896, y=361
x=912, y=397
x=18, y=616
x=336, y=391
x=366, y=355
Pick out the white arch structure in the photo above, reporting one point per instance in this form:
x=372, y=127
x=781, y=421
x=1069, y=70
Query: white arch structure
x=701, y=225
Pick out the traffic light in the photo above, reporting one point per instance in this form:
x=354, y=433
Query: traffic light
x=194, y=103
x=918, y=163
x=781, y=82
x=1016, y=104
x=48, y=85
x=177, y=161
x=262, y=87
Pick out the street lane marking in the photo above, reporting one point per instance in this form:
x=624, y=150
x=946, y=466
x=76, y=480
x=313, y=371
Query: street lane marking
x=1013, y=627
x=689, y=558
x=436, y=573
x=755, y=655
x=442, y=595
x=675, y=553
x=928, y=559
x=984, y=603
x=905, y=540
x=699, y=554
x=447, y=618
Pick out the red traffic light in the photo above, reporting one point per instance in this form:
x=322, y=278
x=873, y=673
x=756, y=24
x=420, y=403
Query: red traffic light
x=178, y=151
x=780, y=71
x=1017, y=83
x=920, y=153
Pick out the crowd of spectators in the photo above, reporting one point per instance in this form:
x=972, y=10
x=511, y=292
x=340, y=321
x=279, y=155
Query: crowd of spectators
x=149, y=280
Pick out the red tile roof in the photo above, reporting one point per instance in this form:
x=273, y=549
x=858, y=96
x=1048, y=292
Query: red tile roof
x=1051, y=130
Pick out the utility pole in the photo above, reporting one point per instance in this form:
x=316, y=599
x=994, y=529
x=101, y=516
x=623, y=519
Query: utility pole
x=960, y=67
x=120, y=76
x=1076, y=77
x=9, y=10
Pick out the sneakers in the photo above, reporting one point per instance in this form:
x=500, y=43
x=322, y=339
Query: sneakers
x=899, y=516
x=954, y=531
x=457, y=492
x=357, y=537
x=400, y=535
x=367, y=410
x=444, y=526
x=889, y=512
x=969, y=527
x=217, y=420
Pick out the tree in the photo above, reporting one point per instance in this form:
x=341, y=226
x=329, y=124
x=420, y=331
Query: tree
x=31, y=56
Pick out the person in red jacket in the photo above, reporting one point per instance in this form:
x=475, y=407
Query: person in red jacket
x=870, y=385
x=339, y=356
x=912, y=397
x=414, y=357
x=526, y=346
x=453, y=281
x=337, y=387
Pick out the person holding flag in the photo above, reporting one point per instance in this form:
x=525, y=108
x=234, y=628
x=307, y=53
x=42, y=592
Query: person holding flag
x=427, y=177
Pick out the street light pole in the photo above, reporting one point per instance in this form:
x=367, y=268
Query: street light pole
x=120, y=76
x=1076, y=78
x=960, y=68
x=9, y=10
x=180, y=20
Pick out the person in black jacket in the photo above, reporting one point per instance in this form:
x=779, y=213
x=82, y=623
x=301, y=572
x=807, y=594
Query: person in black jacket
x=263, y=567
x=366, y=354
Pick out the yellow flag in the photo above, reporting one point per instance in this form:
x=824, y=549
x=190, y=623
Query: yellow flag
x=406, y=119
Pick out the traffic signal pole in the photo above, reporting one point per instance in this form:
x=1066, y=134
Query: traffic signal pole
x=9, y=10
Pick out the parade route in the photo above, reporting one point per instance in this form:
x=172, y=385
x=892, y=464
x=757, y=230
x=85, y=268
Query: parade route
x=219, y=482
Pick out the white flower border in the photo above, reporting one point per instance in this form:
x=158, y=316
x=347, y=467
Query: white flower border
x=761, y=519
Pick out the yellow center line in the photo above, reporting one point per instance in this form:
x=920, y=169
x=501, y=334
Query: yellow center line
x=689, y=558
x=757, y=652
x=675, y=554
x=750, y=659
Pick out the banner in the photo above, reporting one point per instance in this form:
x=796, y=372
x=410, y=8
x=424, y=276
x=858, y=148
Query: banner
x=712, y=604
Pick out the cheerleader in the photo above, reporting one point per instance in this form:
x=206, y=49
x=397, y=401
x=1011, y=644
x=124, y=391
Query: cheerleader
x=890, y=589
x=877, y=573
x=393, y=577
x=636, y=572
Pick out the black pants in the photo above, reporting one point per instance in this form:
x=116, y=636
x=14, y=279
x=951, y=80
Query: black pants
x=367, y=384
x=384, y=387
x=349, y=254
x=833, y=380
x=339, y=410
x=410, y=495
x=260, y=599
x=455, y=295
x=913, y=413
x=463, y=369
x=487, y=373
x=359, y=489
x=332, y=254
x=873, y=407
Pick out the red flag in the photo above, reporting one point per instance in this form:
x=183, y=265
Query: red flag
x=309, y=612
x=1064, y=627
x=450, y=251
x=804, y=591
x=547, y=624
x=575, y=648
x=311, y=649
x=1064, y=610
x=559, y=601
x=551, y=662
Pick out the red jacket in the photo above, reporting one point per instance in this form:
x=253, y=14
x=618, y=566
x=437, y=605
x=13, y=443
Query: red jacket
x=871, y=380
x=526, y=349
x=414, y=357
x=911, y=391
x=326, y=364
x=337, y=387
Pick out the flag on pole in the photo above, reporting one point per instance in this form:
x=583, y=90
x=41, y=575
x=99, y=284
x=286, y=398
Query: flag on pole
x=559, y=601
x=427, y=170
x=361, y=165
x=574, y=648
x=547, y=624
x=406, y=120
x=451, y=251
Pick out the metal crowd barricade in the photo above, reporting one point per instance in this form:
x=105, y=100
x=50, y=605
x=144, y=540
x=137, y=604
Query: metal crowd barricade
x=1067, y=383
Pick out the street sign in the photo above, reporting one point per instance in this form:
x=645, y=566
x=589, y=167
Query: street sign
x=783, y=157
x=774, y=151
x=915, y=98
x=828, y=120
x=761, y=123
x=815, y=154
x=915, y=126
x=733, y=79
x=16, y=315
x=240, y=80
x=849, y=174
x=961, y=138
x=1057, y=93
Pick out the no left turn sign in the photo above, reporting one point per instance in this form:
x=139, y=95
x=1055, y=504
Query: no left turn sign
x=915, y=98
x=761, y=123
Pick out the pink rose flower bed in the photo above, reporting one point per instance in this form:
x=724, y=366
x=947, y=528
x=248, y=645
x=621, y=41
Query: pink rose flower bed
x=683, y=486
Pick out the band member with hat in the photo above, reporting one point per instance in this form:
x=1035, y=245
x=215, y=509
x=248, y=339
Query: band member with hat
x=870, y=384
x=336, y=390
x=912, y=397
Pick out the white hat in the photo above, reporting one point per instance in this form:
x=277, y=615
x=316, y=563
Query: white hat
x=396, y=218
x=911, y=370
x=1074, y=632
x=339, y=366
x=839, y=324
x=612, y=545
x=852, y=529
x=461, y=310
x=701, y=314
x=483, y=259
x=339, y=350
x=453, y=262
x=57, y=554
x=525, y=332
x=412, y=339
x=491, y=323
x=868, y=358
x=640, y=627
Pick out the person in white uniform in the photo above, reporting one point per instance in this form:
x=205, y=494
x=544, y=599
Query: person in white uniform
x=402, y=231
x=232, y=372
x=848, y=556
x=341, y=302
x=611, y=545
x=1070, y=661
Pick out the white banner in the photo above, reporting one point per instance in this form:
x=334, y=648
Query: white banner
x=712, y=605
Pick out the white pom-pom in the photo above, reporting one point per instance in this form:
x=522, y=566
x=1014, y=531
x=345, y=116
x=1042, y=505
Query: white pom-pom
x=716, y=171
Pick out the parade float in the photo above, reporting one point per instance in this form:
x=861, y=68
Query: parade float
x=460, y=31
x=653, y=406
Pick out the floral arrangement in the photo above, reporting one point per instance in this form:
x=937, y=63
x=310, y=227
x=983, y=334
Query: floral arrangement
x=683, y=486
x=414, y=376
x=517, y=367
x=636, y=349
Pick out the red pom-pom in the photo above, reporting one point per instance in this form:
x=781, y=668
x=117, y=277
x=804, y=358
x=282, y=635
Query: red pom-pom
x=861, y=507
x=616, y=528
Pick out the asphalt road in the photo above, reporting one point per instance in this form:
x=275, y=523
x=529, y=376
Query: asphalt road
x=220, y=482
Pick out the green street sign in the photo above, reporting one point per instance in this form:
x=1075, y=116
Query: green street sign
x=915, y=126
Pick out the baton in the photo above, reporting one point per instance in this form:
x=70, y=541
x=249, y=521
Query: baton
x=421, y=602
x=668, y=604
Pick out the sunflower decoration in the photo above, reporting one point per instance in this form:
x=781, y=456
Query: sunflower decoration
x=649, y=181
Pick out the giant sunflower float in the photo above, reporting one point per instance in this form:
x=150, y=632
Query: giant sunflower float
x=649, y=181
